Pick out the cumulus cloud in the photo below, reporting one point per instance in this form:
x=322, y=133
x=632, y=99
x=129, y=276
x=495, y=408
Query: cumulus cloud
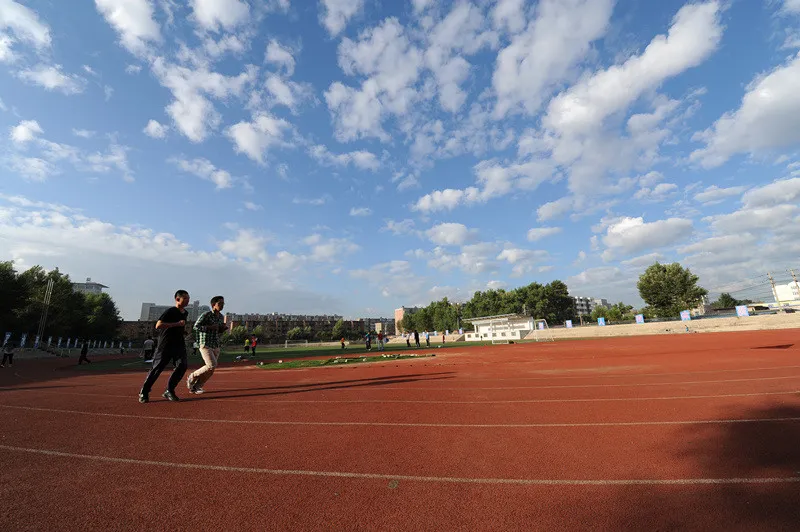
x=450, y=234
x=767, y=119
x=277, y=54
x=715, y=194
x=255, y=138
x=216, y=15
x=362, y=159
x=538, y=233
x=51, y=78
x=205, y=169
x=25, y=131
x=360, y=211
x=133, y=21
x=155, y=130
x=660, y=192
x=336, y=13
x=631, y=235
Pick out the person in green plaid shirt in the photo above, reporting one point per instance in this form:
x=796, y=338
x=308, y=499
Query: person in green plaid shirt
x=208, y=328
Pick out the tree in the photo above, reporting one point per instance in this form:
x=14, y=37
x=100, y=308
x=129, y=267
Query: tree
x=725, y=301
x=599, y=312
x=339, y=329
x=407, y=323
x=12, y=295
x=103, y=318
x=669, y=289
x=258, y=332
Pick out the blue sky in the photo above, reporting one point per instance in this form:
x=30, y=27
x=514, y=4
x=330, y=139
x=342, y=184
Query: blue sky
x=349, y=157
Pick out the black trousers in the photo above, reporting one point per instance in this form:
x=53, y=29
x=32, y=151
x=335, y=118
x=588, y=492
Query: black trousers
x=160, y=361
x=83, y=358
x=9, y=357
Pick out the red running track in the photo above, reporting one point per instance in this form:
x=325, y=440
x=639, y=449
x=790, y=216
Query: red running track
x=694, y=431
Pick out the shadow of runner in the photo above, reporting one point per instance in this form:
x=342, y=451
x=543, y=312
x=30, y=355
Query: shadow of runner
x=351, y=381
x=760, y=450
x=223, y=394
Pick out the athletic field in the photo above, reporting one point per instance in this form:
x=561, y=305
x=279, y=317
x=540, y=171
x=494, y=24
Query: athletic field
x=685, y=431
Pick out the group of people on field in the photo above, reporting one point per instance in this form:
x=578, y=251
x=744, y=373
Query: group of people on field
x=250, y=345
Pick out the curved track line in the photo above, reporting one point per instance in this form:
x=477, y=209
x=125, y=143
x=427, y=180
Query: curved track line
x=429, y=425
x=382, y=476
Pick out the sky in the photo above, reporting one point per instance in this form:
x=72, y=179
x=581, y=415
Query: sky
x=353, y=156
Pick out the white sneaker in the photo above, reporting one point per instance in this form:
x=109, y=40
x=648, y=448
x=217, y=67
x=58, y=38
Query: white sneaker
x=198, y=391
x=189, y=382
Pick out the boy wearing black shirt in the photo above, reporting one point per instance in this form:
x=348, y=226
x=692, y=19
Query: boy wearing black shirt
x=171, y=348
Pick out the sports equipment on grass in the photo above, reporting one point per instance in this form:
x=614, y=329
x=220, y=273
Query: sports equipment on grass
x=295, y=343
x=541, y=332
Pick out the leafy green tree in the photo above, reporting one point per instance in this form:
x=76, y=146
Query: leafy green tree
x=725, y=301
x=339, y=329
x=295, y=333
x=12, y=295
x=670, y=288
x=258, y=332
x=599, y=311
x=103, y=316
x=407, y=323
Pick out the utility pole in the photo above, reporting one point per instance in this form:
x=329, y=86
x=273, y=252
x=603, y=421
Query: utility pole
x=774, y=291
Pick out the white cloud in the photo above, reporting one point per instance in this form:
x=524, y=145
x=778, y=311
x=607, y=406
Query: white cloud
x=493, y=180
x=777, y=192
x=205, y=169
x=450, y=234
x=133, y=20
x=631, y=235
x=155, y=130
x=89, y=70
x=51, y=78
x=192, y=111
x=286, y=92
x=471, y=259
x=399, y=228
x=255, y=138
x=537, y=60
x=715, y=194
x=554, y=209
x=279, y=55
x=310, y=201
x=538, y=233
x=718, y=244
x=753, y=219
x=523, y=260
x=25, y=131
x=658, y=193
x=336, y=14
x=116, y=159
x=695, y=33
x=133, y=69
x=791, y=6
x=392, y=65
x=360, y=211
x=767, y=119
x=83, y=133
x=360, y=159
x=329, y=250
x=643, y=260
x=385, y=277
x=24, y=23
x=250, y=206
x=32, y=168
x=510, y=15
x=216, y=15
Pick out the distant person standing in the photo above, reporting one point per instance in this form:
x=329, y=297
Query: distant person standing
x=427, y=339
x=442, y=337
x=408, y=340
x=208, y=327
x=380, y=341
x=416, y=337
x=253, y=345
x=171, y=347
x=342, y=342
x=368, y=341
x=84, y=352
x=149, y=346
x=247, y=345
x=8, y=354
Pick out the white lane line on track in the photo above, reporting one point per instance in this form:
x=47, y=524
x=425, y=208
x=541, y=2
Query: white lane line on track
x=587, y=375
x=422, y=401
x=335, y=386
x=383, y=476
x=427, y=425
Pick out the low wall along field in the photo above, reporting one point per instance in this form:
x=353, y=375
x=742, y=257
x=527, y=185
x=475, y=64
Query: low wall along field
x=750, y=323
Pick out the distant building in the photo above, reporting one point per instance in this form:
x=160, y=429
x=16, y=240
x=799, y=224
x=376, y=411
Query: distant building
x=585, y=305
x=399, y=314
x=89, y=287
x=151, y=311
x=502, y=327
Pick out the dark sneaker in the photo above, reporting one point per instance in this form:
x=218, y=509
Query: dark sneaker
x=170, y=396
x=143, y=398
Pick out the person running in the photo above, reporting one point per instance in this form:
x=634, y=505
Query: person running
x=368, y=341
x=416, y=337
x=253, y=345
x=149, y=346
x=84, y=352
x=380, y=341
x=171, y=346
x=207, y=328
x=342, y=340
x=8, y=354
x=427, y=339
x=408, y=340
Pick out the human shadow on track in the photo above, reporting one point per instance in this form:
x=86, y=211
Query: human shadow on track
x=768, y=449
x=784, y=346
x=224, y=394
x=20, y=388
x=351, y=381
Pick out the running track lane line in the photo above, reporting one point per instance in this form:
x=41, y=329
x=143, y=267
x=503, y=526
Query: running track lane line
x=422, y=401
x=321, y=387
x=382, y=476
x=426, y=425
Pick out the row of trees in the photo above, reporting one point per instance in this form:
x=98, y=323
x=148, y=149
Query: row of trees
x=70, y=314
x=339, y=330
